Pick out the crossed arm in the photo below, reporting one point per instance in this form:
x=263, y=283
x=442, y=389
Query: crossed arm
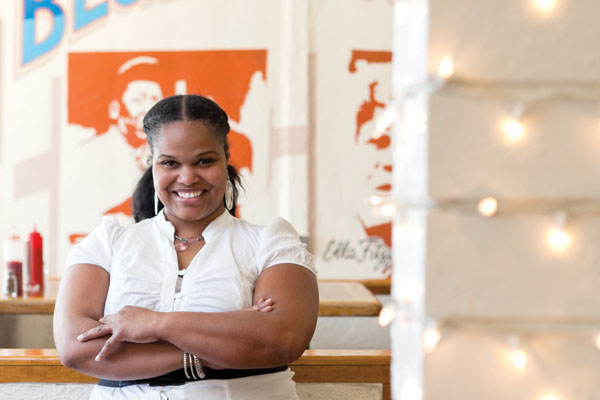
x=138, y=343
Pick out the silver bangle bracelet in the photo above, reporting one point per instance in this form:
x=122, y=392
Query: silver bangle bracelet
x=192, y=366
x=185, y=362
x=199, y=368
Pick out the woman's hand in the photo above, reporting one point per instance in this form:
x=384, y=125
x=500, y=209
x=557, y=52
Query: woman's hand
x=262, y=305
x=130, y=324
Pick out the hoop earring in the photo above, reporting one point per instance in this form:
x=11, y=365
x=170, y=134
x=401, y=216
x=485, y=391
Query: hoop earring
x=155, y=203
x=228, y=195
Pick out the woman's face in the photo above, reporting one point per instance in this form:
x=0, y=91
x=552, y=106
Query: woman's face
x=190, y=172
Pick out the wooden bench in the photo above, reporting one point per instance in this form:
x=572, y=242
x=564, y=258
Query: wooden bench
x=315, y=366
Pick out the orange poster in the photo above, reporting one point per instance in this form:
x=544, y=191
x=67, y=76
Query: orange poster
x=115, y=90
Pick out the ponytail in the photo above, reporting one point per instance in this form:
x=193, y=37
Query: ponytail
x=143, y=197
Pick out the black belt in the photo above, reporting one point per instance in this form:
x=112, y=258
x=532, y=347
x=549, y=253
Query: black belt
x=178, y=377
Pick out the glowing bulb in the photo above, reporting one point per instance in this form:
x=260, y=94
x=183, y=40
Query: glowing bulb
x=550, y=396
x=519, y=359
x=597, y=341
x=446, y=67
x=375, y=200
x=388, y=209
x=411, y=390
x=387, y=314
x=513, y=130
x=487, y=206
x=558, y=239
x=546, y=6
x=431, y=337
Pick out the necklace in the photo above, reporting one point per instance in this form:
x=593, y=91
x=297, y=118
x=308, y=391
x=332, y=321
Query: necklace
x=182, y=244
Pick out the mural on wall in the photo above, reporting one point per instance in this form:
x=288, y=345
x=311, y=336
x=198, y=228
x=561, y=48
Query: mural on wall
x=379, y=178
x=87, y=85
x=357, y=242
x=126, y=84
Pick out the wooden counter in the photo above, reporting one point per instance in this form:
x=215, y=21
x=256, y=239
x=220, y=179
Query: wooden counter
x=337, y=298
x=346, y=299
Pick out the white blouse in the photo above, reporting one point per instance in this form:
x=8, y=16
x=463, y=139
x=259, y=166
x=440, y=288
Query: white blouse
x=143, y=268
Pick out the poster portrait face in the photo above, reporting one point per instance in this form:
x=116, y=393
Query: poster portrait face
x=372, y=69
x=359, y=237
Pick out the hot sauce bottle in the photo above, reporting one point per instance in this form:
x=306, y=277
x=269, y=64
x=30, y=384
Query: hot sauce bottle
x=13, y=259
x=35, y=286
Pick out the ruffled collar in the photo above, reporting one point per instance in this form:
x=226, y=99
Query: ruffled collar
x=214, y=226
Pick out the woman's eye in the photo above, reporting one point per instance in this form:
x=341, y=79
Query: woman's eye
x=206, y=161
x=169, y=163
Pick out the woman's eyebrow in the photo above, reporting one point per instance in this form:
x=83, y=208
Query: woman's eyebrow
x=199, y=155
x=205, y=153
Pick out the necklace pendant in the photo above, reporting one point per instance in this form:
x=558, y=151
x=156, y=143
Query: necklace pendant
x=181, y=246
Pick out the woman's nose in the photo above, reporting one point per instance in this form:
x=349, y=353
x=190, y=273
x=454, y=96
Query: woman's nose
x=187, y=175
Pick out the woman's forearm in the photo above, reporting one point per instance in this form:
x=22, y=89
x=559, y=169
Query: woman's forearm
x=128, y=361
x=238, y=339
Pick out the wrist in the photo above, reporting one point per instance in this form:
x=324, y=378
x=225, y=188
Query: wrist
x=160, y=324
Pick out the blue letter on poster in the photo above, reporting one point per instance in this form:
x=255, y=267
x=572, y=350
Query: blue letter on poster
x=83, y=16
x=126, y=2
x=31, y=49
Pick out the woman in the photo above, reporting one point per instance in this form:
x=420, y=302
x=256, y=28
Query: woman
x=168, y=297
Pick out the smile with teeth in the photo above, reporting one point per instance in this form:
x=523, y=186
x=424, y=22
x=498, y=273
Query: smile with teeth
x=190, y=195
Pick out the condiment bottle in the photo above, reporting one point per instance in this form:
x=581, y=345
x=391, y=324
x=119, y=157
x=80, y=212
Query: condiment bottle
x=35, y=287
x=13, y=259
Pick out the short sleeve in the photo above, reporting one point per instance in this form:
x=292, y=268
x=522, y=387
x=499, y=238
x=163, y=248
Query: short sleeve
x=280, y=244
x=96, y=248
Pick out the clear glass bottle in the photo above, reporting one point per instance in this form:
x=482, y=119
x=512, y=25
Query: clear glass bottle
x=10, y=284
x=13, y=259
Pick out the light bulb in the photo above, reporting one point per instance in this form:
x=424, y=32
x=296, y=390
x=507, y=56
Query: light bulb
x=487, y=206
x=550, y=396
x=431, y=337
x=558, y=239
x=597, y=340
x=411, y=390
x=387, y=314
x=513, y=130
x=519, y=359
x=375, y=200
x=446, y=67
x=546, y=6
x=388, y=209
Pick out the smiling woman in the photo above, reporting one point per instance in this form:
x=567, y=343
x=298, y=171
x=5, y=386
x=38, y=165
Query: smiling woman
x=190, y=299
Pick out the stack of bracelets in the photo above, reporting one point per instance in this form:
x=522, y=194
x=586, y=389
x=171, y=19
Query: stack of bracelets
x=194, y=365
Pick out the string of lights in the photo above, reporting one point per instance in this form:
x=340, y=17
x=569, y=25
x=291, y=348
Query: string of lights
x=521, y=100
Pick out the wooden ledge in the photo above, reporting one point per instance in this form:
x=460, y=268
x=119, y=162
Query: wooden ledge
x=378, y=286
x=366, y=366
